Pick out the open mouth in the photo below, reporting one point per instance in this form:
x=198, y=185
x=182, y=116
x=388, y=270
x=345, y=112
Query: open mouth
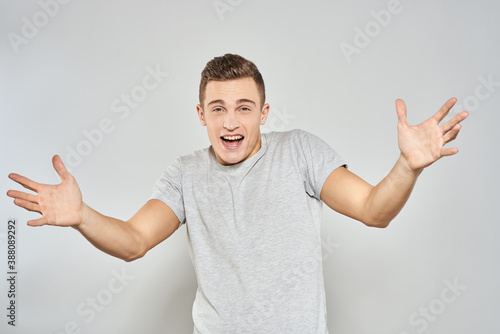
x=232, y=142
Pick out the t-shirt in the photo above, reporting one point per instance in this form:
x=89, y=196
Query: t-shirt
x=254, y=234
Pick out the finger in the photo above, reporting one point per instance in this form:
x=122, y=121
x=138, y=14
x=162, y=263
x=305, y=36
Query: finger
x=401, y=111
x=38, y=222
x=444, y=110
x=454, y=121
x=30, y=206
x=22, y=195
x=25, y=182
x=452, y=134
x=59, y=167
x=449, y=151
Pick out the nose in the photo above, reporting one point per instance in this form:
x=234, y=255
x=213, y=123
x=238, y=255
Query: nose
x=231, y=122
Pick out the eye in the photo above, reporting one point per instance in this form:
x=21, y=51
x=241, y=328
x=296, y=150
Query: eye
x=245, y=109
x=217, y=109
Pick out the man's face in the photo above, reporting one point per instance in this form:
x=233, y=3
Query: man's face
x=233, y=115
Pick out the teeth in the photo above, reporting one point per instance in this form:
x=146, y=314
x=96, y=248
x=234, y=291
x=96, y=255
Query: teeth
x=232, y=137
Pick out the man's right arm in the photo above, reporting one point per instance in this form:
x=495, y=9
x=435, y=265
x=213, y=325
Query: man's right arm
x=131, y=239
x=62, y=205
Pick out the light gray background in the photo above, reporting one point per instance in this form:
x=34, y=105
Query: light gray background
x=65, y=78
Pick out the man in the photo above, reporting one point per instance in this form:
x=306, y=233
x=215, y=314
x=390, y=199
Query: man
x=252, y=206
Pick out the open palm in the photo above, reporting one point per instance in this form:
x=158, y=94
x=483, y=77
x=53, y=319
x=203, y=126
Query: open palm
x=59, y=204
x=423, y=144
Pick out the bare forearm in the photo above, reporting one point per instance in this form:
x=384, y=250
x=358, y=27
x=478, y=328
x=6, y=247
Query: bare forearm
x=389, y=196
x=113, y=236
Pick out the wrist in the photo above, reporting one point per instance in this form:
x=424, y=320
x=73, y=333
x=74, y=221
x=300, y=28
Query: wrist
x=84, y=217
x=406, y=166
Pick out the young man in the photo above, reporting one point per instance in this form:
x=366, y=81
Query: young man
x=252, y=206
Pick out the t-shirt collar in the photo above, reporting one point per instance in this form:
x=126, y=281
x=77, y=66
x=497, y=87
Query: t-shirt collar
x=241, y=165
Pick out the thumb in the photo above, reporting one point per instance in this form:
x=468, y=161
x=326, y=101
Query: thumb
x=401, y=111
x=60, y=168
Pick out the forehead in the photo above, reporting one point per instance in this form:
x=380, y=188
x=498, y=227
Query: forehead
x=233, y=89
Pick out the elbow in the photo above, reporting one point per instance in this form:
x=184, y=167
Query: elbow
x=131, y=258
x=377, y=219
x=377, y=222
x=137, y=253
x=382, y=224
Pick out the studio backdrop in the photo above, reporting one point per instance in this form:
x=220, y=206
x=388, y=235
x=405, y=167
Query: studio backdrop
x=111, y=87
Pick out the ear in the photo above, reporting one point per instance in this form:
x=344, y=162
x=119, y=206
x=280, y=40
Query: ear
x=201, y=115
x=264, y=114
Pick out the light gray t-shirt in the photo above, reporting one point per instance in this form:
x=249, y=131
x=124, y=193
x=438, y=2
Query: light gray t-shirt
x=254, y=234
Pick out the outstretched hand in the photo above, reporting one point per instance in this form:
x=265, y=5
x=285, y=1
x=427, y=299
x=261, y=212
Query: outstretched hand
x=423, y=144
x=59, y=205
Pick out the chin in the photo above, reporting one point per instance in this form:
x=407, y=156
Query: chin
x=230, y=159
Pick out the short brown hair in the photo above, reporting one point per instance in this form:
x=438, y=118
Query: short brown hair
x=231, y=66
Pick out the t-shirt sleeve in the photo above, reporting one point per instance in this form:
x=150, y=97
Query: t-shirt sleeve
x=168, y=189
x=316, y=160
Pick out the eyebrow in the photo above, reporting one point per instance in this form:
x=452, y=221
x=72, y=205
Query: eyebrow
x=245, y=101
x=237, y=102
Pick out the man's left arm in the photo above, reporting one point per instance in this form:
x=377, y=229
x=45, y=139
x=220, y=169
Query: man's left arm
x=420, y=146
